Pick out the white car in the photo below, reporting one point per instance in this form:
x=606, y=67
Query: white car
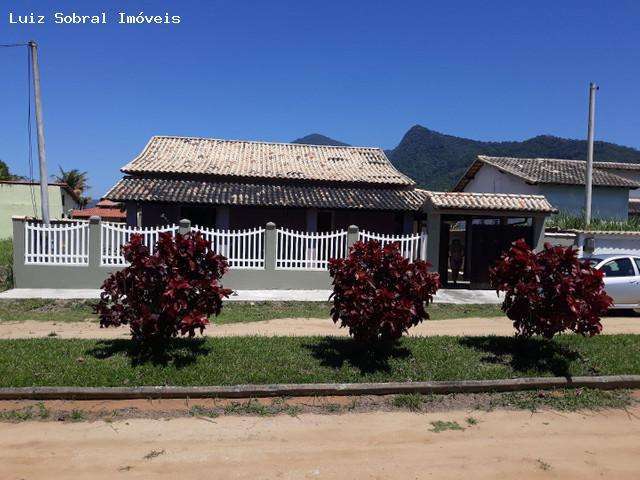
x=621, y=279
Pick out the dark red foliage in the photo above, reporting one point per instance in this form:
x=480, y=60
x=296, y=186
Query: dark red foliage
x=378, y=294
x=550, y=291
x=171, y=292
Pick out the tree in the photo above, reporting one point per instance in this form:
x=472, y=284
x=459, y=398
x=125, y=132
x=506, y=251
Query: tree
x=76, y=180
x=4, y=171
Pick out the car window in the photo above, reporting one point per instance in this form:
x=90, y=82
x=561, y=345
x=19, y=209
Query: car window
x=637, y=260
x=620, y=267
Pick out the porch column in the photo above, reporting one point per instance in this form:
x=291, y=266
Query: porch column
x=538, y=232
x=433, y=239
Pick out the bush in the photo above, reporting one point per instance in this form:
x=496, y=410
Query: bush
x=550, y=291
x=378, y=294
x=6, y=264
x=171, y=292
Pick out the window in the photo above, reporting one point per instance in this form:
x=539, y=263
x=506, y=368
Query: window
x=620, y=267
x=637, y=260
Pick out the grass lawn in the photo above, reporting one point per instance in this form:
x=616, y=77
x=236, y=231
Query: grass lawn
x=233, y=312
x=260, y=360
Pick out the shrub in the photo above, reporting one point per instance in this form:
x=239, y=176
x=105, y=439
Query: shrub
x=170, y=292
x=378, y=294
x=550, y=291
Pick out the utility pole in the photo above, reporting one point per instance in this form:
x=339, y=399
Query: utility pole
x=44, y=183
x=590, y=134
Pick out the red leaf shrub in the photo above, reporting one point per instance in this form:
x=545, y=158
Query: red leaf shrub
x=171, y=292
x=378, y=294
x=550, y=291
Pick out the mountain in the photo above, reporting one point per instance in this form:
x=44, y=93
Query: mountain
x=317, y=139
x=436, y=161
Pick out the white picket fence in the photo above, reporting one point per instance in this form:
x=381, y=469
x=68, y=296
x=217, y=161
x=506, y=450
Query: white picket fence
x=308, y=250
x=113, y=236
x=412, y=247
x=243, y=248
x=68, y=244
x=56, y=244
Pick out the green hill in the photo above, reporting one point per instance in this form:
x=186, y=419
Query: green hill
x=436, y=161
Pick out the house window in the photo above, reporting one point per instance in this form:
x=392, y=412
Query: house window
x=325, y=221
x=199, y=215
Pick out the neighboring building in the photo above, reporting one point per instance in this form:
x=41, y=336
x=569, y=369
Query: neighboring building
x=105, y=209
x=22, y=198
x=560, y=181
x=243, y=184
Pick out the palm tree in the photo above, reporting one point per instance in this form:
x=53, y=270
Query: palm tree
x=76, y=180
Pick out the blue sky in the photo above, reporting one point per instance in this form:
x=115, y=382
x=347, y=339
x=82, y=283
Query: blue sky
x=358, y=71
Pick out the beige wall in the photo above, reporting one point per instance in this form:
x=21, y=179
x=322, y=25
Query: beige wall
x=16, y=199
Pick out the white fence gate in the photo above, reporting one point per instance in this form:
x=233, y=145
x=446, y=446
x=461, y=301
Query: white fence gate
x=243, y=248
x=56, y=244
x=412, y=247
x=113, y=236
x=308, y=250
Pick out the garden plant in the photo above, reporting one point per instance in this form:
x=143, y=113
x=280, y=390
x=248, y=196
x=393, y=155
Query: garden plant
x=378, y=294
x=167, y=293
x=550, y=291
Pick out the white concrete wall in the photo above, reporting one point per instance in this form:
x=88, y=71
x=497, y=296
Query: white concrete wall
x=491, y=180
x=631, y=175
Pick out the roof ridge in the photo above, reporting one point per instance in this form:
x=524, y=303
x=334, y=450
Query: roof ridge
x=231, y=140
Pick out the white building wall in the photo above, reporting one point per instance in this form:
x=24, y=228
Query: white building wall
x=631, y=175
x=491, y=180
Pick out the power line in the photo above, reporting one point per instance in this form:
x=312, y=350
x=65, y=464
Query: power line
x=9, y=45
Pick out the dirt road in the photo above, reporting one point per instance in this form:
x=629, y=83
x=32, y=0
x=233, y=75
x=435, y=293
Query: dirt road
x=394, y=445
x=293, y=327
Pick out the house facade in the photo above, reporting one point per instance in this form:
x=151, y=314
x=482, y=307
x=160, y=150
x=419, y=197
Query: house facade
x=22, y=198
x=231, y=184
x=562, y=182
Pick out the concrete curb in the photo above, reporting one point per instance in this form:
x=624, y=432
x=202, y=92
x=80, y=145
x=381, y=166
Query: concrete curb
x=317, y=389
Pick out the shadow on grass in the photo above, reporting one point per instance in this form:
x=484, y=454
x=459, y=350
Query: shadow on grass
x=179, y=352
x=335, y=352
x=526, y=354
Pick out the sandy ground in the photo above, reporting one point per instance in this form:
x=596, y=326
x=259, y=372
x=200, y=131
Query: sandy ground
x=293, y=327
x=394, y=445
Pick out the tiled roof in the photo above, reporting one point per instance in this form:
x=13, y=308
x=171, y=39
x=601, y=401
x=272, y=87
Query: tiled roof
x=105, y=213
x=546, y=170
x=489, y=201
x=617, y=165
x=270, y=195
x=234, y=158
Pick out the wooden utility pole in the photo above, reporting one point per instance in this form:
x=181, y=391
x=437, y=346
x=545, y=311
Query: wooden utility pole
x=44, y=183
x=590, y=134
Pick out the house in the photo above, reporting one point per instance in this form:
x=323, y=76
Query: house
x=21, y=197
x=233, y=184
x=315, y=188
x=105, y=209
x=560, y=181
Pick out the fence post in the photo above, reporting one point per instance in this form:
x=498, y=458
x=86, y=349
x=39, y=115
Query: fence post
x=184, y=226
x=423, y=243
x=95, y=241
x=270, y=246
x=353, y=235
x=19, y=238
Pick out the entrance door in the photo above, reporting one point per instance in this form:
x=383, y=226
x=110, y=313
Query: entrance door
x=490, y=238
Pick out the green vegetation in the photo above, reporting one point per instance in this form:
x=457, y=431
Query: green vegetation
x=410, y=401
x=563, y=221
x=262, y=360
x=441, y=426
x=437, y=161
x=232, y=312
x=6, y=264
x=564, y=400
